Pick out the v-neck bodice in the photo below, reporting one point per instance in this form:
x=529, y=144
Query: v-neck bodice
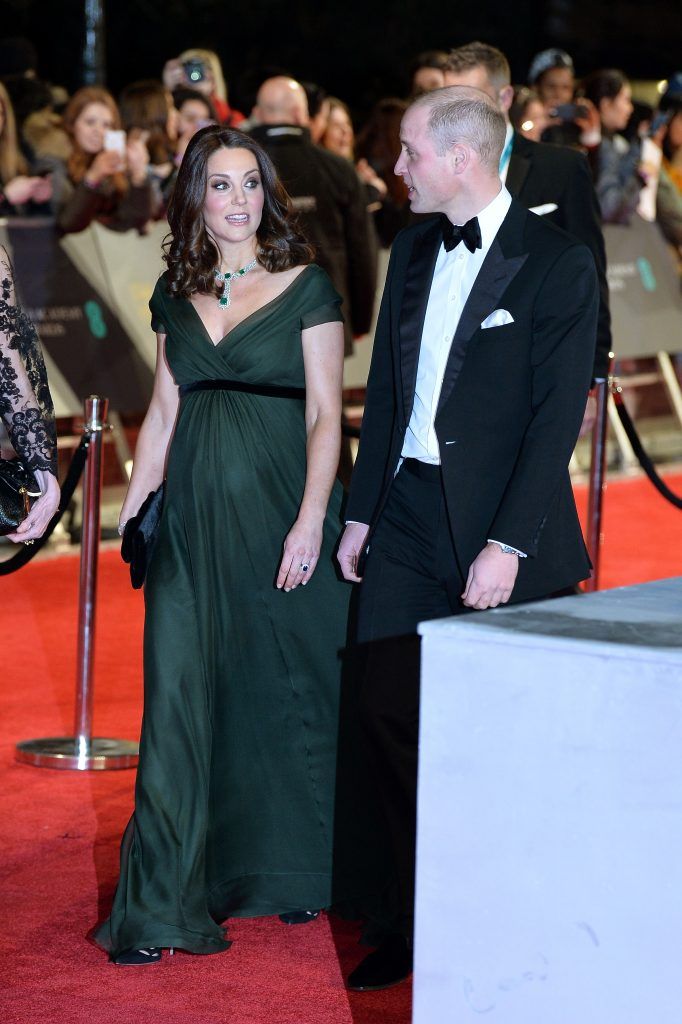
x=264, y=347
x=264, y=309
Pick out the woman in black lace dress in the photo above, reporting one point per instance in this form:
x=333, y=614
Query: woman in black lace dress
x=26, y=406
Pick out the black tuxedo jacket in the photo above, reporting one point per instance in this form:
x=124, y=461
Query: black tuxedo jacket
x=539, y=174
x=512, y=398
x=331, y=205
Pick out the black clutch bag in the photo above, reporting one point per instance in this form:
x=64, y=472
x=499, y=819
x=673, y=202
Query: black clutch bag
x=18, y=491
x=139, y=536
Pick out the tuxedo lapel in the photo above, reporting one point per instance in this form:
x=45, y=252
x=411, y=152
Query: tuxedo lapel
x=494, y=277
x=519, y=165
x=413, y=308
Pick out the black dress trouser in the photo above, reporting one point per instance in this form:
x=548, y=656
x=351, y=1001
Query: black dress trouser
x=411, y=575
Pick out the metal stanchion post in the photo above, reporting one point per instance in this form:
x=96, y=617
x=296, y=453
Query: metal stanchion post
x=597, y=483
x=82, y=751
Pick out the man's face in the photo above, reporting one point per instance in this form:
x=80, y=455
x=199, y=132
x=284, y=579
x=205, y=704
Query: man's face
x=430, y=181
x=476, y=78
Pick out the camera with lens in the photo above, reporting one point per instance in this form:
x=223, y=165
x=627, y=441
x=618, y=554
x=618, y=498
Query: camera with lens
x=570, y=111
x=194, y=70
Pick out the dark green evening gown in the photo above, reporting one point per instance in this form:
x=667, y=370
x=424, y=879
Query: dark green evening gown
x=234, y=803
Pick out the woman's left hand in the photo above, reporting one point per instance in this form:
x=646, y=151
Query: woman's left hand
x=301, y=552
x=42, y=511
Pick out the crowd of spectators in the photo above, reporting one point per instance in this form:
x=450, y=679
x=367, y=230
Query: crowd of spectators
x=94, y=157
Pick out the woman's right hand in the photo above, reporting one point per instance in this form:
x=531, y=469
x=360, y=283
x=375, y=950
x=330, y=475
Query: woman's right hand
x=106, y=163
x=173, y=74
x=127, y=512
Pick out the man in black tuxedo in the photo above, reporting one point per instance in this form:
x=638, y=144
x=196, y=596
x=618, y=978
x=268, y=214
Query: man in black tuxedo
x=460, y=497
x=554, y=181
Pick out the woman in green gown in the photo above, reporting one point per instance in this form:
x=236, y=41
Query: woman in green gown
x=245, y=616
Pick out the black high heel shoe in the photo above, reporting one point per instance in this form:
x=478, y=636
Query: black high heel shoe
x=140, y=957
x=299, y=916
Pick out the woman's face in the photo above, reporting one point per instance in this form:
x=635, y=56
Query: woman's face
x=534, y=121
x=556, y=86
x=234, y=195
x=90, y=125
x=192, y=115
x=339, y=134
x=426, y=80
x=615, y=112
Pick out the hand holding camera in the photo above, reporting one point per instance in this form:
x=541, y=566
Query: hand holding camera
x=188, y=73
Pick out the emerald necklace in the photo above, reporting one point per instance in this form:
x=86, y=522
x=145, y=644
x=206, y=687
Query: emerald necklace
x=227, y=279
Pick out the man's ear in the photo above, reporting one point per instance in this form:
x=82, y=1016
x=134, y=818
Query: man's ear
x=506, y=98
x=459, y=158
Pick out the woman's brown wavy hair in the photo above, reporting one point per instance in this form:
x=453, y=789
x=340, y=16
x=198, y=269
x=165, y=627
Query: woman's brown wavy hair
x=79, y=161
x=190, y=253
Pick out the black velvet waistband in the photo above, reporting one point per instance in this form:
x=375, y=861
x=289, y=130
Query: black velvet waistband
x=424, y=470
x=268, y=390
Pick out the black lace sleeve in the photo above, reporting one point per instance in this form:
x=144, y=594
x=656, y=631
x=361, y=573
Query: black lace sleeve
x=25, y=400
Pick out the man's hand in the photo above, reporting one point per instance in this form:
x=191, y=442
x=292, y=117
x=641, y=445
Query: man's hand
x=491, y=578
x=352, y=544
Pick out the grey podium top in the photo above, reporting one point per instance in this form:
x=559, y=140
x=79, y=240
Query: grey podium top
x=647, y=615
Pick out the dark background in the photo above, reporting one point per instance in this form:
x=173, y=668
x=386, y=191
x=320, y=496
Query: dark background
x=356, y=49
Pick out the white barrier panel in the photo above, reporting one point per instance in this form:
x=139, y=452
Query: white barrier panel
x=549, y=860
x=644, y=290
x=83, y=292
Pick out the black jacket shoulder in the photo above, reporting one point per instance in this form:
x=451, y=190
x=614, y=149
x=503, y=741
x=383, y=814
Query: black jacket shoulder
x=548, y=155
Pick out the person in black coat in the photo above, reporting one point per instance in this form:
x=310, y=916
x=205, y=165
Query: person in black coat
x=461, y=498
x=554, y=181
x=328, y=196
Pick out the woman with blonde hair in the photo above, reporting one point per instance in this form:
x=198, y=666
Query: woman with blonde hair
x=19, y=190
x=106, y=178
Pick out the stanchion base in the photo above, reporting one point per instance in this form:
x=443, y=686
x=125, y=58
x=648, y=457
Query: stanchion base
x=67, y=752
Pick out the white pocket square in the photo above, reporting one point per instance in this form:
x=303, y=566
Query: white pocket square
x=542, y=210
x=498, y=318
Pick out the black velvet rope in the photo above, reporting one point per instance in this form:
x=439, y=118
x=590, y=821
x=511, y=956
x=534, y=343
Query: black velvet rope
x=642, y=457
x=28, y=551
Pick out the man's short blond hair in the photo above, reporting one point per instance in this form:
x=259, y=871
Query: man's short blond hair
x=462, y=114
x=481, y=55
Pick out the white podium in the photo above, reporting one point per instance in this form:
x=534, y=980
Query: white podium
x=549, y=849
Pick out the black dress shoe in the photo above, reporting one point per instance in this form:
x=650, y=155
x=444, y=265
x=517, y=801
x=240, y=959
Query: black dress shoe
x=388, y=965
x=139, y=957
x=299, y=916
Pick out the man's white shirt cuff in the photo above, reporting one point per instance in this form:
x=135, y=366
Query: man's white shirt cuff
x=509, y=549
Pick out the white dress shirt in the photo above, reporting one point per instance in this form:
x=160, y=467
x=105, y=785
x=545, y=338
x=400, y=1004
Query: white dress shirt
x=453, y=278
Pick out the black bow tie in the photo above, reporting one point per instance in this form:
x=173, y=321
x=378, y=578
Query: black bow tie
x=469, y=233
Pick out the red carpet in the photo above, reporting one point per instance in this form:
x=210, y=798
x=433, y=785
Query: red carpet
x=60, y=830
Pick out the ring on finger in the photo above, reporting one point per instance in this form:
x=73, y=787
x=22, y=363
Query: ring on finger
x=305, y=566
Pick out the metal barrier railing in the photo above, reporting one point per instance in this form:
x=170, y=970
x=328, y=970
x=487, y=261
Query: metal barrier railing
x=82, y=751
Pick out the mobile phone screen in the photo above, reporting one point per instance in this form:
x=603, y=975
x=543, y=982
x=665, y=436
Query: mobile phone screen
x=115, y=140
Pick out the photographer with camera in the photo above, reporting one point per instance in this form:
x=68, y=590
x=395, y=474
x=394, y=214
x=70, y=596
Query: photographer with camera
x=201, y=70
x=570, y=121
